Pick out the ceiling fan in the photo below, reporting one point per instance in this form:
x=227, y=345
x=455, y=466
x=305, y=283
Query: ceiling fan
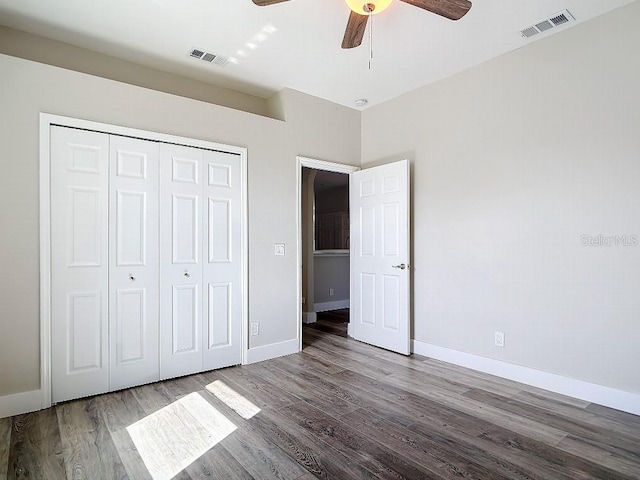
x=361, y=10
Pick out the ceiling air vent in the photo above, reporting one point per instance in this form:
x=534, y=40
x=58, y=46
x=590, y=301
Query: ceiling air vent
x=196, y=53
x=554, y=21
x=529, y=32
x=544, y=26
x=209, y=57
x=560, y=19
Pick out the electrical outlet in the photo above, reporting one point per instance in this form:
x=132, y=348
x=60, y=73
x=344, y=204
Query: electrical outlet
x=499, y=339
x=279, y=249
x=255, y=329
x=331, y=292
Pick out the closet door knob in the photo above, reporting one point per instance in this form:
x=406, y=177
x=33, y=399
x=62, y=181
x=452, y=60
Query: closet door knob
x=186, y=274
x=132, y=278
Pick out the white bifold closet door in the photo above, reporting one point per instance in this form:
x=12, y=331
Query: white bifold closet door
x=79, y=263
x=133, y=262
x=146, y=262
x=200, y=260
x=104, y=226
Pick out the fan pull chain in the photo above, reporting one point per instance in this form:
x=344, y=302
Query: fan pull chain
x=370, y=37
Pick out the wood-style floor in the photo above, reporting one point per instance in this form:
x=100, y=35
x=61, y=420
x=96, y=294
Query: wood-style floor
x=338, y=410
x=334, y=322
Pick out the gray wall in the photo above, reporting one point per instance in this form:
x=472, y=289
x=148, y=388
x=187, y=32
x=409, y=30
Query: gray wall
x=306, y=224
x=33, y=47
x=313, y=127
x=512, y=162
x=331, y=271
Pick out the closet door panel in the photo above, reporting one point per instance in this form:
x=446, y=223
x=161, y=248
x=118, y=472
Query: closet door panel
x=131, y=326
x=185, y=229
x=180, y=260
x=133, y=267
x=185, y=319
x=220, y=315
x=79, y=263
x=222, y=267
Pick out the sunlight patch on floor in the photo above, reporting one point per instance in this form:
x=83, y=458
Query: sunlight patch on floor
x=172, y=438
x=233, y=399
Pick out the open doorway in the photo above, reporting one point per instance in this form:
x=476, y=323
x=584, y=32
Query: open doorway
x=379, y=253
x=324, y=239
x=325, y=215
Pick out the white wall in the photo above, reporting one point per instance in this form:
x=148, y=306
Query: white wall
x=512, y=162
x=28, y=88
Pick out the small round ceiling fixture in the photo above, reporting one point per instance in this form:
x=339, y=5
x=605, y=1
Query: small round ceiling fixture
x=368, y=7
x=361, y=102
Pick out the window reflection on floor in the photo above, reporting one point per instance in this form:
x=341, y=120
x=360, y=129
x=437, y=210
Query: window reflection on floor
x=172, y=438
x=233, y=399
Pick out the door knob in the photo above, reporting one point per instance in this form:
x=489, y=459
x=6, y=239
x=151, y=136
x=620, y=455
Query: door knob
x=402, y=266
x=186, y=274
x=132, y=278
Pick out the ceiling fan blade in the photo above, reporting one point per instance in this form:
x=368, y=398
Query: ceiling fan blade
x=264, y=3
x=354, y=33
x=451, y=9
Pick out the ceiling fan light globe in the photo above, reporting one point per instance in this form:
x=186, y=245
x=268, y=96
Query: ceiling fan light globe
x=359, y=6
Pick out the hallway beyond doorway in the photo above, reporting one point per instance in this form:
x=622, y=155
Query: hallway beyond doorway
x=334, y=322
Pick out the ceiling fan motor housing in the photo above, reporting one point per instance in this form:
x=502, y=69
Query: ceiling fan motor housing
x=368, y=7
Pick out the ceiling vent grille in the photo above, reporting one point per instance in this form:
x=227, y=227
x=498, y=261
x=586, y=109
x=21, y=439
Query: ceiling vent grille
x=209, y=57
x=554, y=21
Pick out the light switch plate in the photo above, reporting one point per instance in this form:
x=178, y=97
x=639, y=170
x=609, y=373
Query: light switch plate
x=280, y=249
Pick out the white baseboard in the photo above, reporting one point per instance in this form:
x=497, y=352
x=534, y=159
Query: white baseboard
x=274, y=350
x=590, y=392
x=309, y=317
x=335, y=305
x=20, y=403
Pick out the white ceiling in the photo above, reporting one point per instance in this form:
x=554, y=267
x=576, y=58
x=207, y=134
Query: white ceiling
x=411, y=47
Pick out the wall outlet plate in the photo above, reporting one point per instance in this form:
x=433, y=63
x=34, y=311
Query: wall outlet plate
x=499, y=339
x=255, y=329
x=279, y=248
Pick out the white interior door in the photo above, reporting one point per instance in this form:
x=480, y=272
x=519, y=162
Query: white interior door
x=181, y=174
x=79, y=263
x=222, y=263
x=133, y=262
x=379, y=206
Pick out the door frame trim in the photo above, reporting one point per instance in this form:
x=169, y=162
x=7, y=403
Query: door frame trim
x=46, y=121
x=317, y=165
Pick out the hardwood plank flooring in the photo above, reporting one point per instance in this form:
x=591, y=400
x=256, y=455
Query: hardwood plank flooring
x=89, y=449
x=334, y=322
x=338, y=410
x=36, y=450
x=119, y=410
x=259, y=455
x=5, y=444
